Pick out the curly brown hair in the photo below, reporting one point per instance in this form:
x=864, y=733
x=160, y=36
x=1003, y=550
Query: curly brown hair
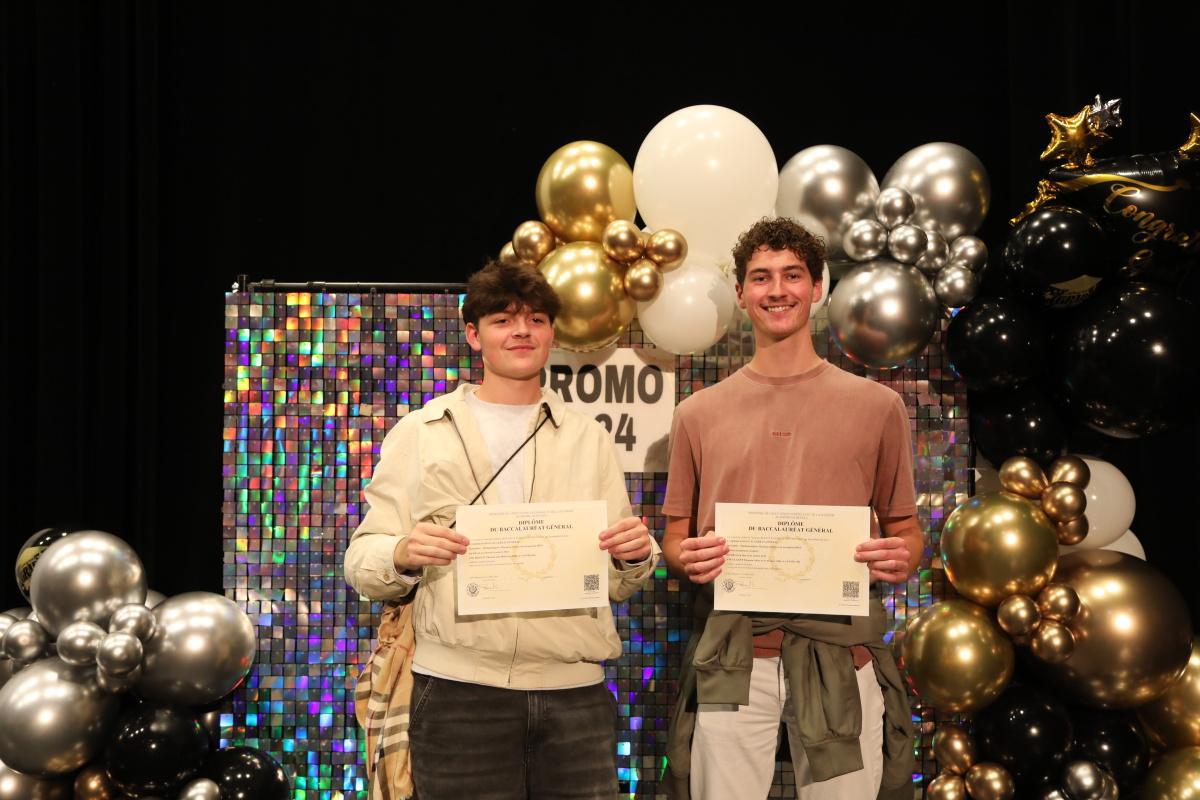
x=779, y=233
x=497, y=287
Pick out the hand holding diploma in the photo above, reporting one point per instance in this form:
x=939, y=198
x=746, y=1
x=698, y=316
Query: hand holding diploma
x=428, y=545
x=628, y=540
x=703, y=556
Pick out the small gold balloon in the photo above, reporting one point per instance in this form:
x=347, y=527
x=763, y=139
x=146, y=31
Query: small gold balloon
x=954, y=749
x=956, y=657
x=667, y=248
x=1072, y=532
x=1018, y=615
x=1133, y=632
x=1070, y=469
x=946, y=787
x=591, y=286
x=643, y=281
x=996, y=545
x=92, y=783
x=1052, y=642
x=988, y=781
x=1064, y=502
x=1173, y=720
x=623, y=241
x=508, y=255
x=1058, y=602
x=1023, y=476
x=1176, y=776
x=581, y=188
x=532, y=241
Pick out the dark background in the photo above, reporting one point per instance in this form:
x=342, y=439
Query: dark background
x=152, y=151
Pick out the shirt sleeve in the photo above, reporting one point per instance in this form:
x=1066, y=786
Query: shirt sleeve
x=369, y=564
x=894, y=493
x=683, y=471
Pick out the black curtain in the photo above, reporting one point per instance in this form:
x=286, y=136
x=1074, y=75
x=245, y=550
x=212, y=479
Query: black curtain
x=152, y=151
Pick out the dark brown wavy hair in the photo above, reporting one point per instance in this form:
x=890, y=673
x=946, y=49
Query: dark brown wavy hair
x=497, y=287
x=779, y=233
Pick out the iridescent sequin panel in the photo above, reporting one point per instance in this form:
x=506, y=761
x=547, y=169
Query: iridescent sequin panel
x=314, y=381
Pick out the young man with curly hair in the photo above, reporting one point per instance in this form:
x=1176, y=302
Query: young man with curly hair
x=789, y=428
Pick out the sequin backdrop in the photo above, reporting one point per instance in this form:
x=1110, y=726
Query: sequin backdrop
x=313, y=382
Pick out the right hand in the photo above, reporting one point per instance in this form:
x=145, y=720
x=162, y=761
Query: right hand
x=702, y=557
x=428, y=545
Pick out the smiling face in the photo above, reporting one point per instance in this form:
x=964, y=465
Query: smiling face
x=777, y=294
x=514, y=343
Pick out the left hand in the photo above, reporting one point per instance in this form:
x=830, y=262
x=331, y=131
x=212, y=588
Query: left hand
x=887, y=558
x=628, y=540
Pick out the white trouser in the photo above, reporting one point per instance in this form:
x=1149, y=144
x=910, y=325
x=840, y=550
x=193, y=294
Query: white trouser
x=733, y=752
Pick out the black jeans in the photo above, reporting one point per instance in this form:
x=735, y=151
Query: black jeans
x=472, y=742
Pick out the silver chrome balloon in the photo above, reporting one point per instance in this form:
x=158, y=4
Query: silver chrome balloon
x=86, y=577
x=949, y=186
x=25, y=640
x=1084, y=780
x=115, y=684
x=119, y=654
x=894, y=207
x=20, y=612
x=883, y=313
x=970, y=251
x=906, y=243
x=200, y=789
x=936, y=255
x=19, y=786
x=6, y=621
x=955, y=286
x=55, y=718
x=826, y=188
x=135, y=619
x=865, y=240
x=202, y=649
x=77, y=643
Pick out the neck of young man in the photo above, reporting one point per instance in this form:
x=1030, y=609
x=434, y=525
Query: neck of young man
x=510, y=391
x=779, y=358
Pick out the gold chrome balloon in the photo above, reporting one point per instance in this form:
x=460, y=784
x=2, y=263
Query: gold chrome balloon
x=93, y=783
x=623, y=241
x=1052, y=642
x=956, y=658
x=946, y=787
x=1133, y=632
x=532, y=241
x=1173, y=720
x=1058, y=602
x=954, y=749
x=591, y=286
x=508, y=255
x=1018, y=615
x=1064, y=502
x=1176, y=776
x=667, y=248
x=1070, y=469
x=996, y=545
x=581, y=188
x=1023, y=476
x=643, y=281
x=1072, y=532
x=990, y=781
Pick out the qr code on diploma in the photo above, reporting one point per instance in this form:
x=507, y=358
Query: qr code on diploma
x=850, y=590
x=591, y=583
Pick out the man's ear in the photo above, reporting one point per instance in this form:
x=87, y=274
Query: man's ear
x=473, y=337
x=818, y=291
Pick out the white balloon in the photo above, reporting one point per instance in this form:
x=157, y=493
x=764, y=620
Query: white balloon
x=987, y=479
x=708, y=172
x=693, y=310
x=1110, y=505
x=1129, y=544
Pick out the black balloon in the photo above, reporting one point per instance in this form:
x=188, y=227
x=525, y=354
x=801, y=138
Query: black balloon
x=1145, y=203
x=244, y=773
x=1055, y=256
x=31, y=551
x=155, y=749
x=1023, y=422
x=996, y=343
x=1128, y=363
x=1115, y=741
x=1026, y=731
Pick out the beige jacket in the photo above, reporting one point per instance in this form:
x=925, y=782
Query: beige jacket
x=435, y=460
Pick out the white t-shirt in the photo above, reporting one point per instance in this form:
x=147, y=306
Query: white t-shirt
x=504, y=427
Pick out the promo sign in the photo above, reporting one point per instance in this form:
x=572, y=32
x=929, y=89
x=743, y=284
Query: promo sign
x=629, y=391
